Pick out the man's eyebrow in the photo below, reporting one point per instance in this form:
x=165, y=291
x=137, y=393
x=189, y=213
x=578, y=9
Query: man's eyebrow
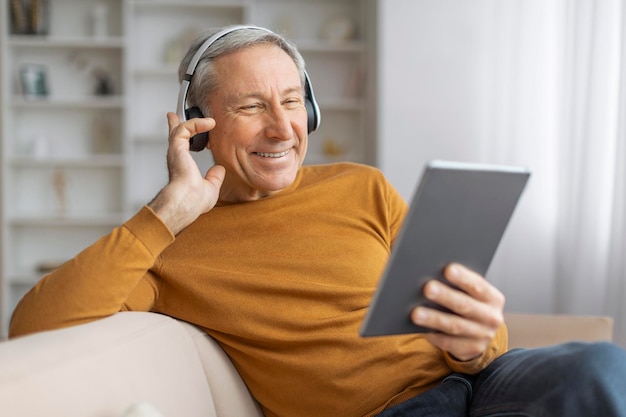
x=294, y=89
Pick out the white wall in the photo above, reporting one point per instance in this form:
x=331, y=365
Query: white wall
x=447, y=84
x=430, y=70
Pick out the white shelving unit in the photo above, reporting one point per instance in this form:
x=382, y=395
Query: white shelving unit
x=75, y=164
x=63, y=153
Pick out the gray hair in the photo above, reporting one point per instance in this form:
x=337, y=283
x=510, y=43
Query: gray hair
x=205, y=81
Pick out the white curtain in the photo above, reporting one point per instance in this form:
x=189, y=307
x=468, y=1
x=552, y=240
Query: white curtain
x=559, y=72
x=591, y=239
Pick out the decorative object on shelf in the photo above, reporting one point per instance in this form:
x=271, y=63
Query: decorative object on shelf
x=102, y=138
x=44, y=267
x=331, y=148
x=39, y=10
x=100, y=20
x=34, y=80
x=338, y=29
x=59, y=184
x=19, y=22
x=103, y=83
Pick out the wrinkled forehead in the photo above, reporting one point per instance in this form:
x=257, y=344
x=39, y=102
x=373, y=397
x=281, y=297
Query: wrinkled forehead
x=265, y=65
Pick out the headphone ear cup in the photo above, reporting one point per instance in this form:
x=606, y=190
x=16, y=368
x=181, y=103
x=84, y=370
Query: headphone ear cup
x=197, y=142
x=311, y=115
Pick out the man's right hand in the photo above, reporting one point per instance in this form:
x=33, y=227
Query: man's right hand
x=188, y=194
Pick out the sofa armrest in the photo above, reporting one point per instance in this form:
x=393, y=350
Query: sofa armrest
x=104, y=367
x=230, y=394
x=535, y=330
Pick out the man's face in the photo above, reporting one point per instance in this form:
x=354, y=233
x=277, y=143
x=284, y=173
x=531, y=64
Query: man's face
x=260, y=135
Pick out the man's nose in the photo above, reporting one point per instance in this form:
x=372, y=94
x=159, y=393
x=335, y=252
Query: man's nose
x=279, y=124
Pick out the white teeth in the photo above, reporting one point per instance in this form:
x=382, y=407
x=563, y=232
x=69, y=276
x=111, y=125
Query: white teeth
x=272, y=155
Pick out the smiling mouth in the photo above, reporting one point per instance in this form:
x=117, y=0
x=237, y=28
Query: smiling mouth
x=272, y=154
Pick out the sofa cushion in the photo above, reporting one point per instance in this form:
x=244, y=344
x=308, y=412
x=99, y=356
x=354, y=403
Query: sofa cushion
x=102, y=368
x=535, y=330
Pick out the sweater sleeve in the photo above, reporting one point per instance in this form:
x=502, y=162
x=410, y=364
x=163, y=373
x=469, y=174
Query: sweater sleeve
x=397, y=209
x=98, y=282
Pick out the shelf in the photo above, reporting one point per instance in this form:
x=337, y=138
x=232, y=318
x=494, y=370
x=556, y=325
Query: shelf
x=71, y=219
x=226, y=4
x=164, y=70
x=87, y=162
x=32, y=41
x=26, y=280
x=305, y=45
x=53, y=101
x=156, y=139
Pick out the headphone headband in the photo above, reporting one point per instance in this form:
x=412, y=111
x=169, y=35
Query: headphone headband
x=191, y=68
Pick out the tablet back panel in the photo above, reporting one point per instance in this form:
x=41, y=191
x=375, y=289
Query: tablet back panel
x=458, y=214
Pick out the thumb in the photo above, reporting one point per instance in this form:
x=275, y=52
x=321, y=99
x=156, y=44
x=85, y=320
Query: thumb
x=215, y=175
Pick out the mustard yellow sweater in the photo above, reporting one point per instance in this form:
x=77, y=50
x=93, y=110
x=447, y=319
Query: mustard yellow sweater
x=282, y=284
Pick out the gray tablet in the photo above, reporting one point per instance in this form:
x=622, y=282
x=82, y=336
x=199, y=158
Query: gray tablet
x=458, y=214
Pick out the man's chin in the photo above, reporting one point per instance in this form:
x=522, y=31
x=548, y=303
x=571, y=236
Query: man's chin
x=276, y=183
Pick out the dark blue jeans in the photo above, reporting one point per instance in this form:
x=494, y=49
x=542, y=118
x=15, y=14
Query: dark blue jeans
x=570, y=380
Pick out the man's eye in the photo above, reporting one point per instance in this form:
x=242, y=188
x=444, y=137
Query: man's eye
x=250, y=107
x=293, y=102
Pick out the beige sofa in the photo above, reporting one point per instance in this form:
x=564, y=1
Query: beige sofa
x=146, y=364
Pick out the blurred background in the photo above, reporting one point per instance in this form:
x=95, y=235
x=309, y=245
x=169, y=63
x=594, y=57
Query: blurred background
x=535, y=83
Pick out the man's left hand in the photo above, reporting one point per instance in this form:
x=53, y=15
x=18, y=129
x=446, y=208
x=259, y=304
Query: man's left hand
x=479, y=313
